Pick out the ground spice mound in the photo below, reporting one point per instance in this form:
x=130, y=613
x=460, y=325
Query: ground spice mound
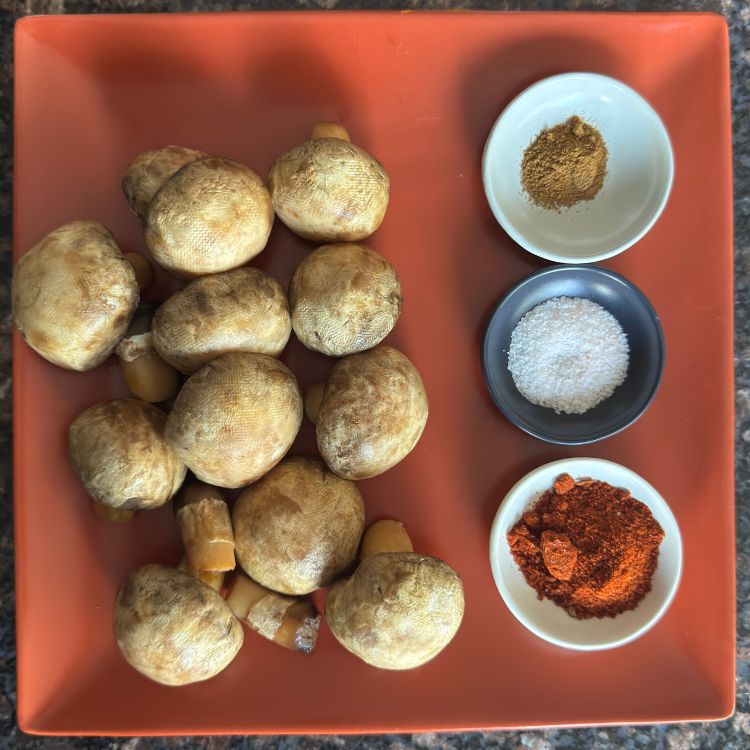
x=568, y=354
x=564, y=165
x=589, y=547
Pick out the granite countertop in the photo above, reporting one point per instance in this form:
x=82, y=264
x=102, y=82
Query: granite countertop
x=730, y=734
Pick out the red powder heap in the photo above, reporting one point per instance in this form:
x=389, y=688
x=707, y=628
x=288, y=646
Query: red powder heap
x=589, y=547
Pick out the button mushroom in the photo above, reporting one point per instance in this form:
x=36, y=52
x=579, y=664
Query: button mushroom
x=244, y=310
x=235, y=418
x=373, y=411
x=173, y=628
x=149, y=171
x=118, y=450
x=328, y=190
x=344, y=298
x=73, y=295
x=298, y=527
x=398, y=610
x=210, y=216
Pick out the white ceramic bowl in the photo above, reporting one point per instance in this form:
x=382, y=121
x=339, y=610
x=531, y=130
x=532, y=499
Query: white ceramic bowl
x=542, y=616
x=640, y=169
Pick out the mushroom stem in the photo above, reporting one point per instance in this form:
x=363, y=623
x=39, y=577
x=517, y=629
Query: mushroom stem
x=193, y=492
x=313, y=397
x=144, y=271
x=206, y=530
x=385, y=536
x=146, y=374
x=329, y=130
x=292, y=623
x=114, y=515
x=214, y=578
x=149, y=377
x=299, y=627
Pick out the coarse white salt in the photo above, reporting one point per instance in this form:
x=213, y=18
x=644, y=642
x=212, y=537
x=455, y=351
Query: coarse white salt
x=568, y=354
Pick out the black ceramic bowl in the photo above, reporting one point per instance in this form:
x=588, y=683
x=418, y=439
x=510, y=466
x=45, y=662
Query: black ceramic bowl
x=633, y=312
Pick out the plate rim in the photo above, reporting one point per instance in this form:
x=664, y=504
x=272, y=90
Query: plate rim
x=723, y=706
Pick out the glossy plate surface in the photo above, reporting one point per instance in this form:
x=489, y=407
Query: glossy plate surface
x=421, y=92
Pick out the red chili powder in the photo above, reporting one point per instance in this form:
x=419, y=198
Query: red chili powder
x=588, y=546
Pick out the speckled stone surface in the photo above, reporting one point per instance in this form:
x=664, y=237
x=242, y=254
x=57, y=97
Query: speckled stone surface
x=732, y=734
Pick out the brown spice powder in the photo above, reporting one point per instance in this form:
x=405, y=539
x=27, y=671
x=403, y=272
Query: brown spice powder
x=564, y=165
x=589, y=547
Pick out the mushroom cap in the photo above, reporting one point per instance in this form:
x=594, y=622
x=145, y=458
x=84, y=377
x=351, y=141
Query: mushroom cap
x=73, y=295
x=297, y=527
x=398, y=610
x=345, y=298
x=372, y=414
x=149, y=171
x=235, y=418
x=174, y=628
x=118, y=450
x=211, y=215
x=244, y=310
x=328, y=190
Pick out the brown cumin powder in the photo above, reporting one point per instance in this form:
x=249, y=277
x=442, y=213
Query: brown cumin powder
x=564, y=165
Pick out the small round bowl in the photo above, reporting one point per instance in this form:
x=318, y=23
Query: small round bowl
x=542, y=616
x=640, y=169
x=638, y=320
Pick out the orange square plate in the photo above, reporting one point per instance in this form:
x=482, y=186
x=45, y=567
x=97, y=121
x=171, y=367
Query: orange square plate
x=421, y=92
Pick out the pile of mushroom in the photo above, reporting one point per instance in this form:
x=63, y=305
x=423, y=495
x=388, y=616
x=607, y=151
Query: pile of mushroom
x=235, y=418
x=173, y=628
x=299, y=527
x=244, y=310
x=213, y=398
x=73, y=295
x=201, y=214
x=372, y=411
x=399, y=609
x=329, y=190
x=344, y=298
x=119, y=450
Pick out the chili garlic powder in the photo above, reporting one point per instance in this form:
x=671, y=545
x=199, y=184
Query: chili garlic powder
x=568, y=354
